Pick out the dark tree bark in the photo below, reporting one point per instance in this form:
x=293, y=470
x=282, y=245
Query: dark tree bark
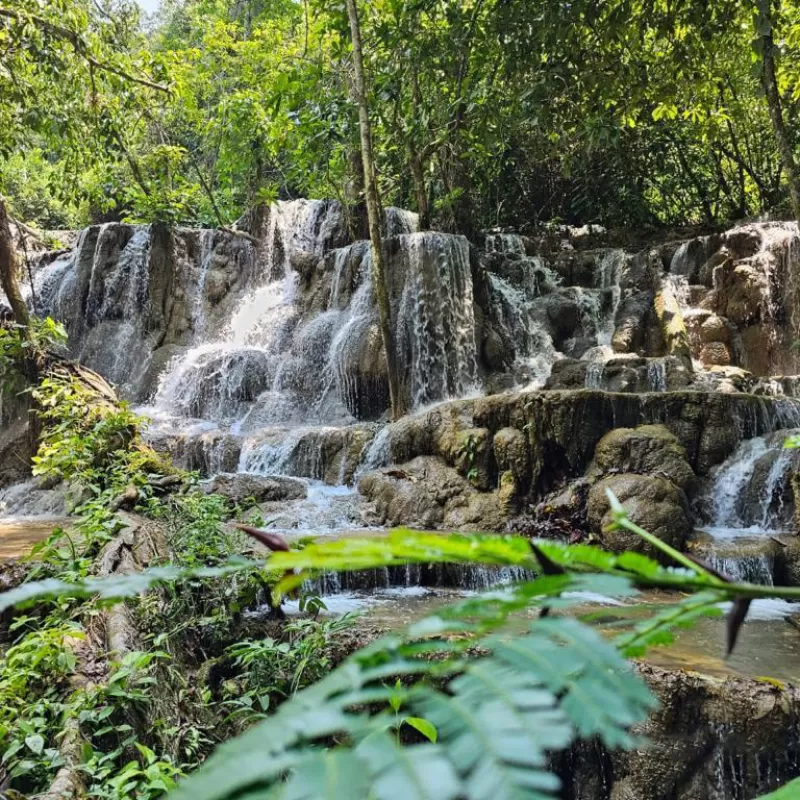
x=766, y=20
x=420, y=190
x=9, y=271
x=374, y=215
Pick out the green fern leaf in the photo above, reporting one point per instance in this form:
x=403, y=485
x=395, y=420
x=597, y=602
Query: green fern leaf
x=422, y=772
x=332, y=775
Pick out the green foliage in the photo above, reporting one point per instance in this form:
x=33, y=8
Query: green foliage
x=39, y=336
x=496, y=705
x=789, y=792
x=484, y=113
x=495, y=721
x=272, y=671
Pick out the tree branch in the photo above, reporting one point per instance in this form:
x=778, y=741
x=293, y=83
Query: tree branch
x=80, y=47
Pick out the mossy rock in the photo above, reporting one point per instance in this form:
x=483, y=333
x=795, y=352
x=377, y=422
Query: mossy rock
x=655, y=504
x=647, y=449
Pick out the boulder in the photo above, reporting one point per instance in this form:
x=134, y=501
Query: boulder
x=745, y=294
x=241, y=487
x=714, y=329
x=647, y=450
x=511, y=453
x=426, y=493
x=630, y=322
x=654, y=503
x=715, y=354
x=497, y=355
x=708, y=739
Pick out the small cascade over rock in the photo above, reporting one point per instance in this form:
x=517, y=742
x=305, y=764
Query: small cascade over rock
x=751, y=492
x=435, y=326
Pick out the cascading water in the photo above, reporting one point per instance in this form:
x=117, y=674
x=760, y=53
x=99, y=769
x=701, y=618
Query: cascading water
x=435, y=319
x=505, y=243
x=657, y=375
x=750, y=491
x=609, y=270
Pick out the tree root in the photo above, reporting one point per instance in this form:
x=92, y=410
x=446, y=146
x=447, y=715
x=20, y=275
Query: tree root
x=67, y=783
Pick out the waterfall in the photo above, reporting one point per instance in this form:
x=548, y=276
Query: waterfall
x=435, y=319
x=609, y=271
x=750, y=492
x=534, y=349
x=505, y=243
x=747, y=568
x=399, y=221
x=594, y=375
x=657, y=374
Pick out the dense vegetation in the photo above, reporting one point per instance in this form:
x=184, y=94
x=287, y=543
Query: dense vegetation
x=484, y=112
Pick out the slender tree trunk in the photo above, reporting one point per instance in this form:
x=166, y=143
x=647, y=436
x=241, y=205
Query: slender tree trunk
x=374, y=215
x=420, y=190
x=770, y=81
x=9, y=272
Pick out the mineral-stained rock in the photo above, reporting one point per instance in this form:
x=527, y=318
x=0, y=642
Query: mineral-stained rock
x=240, y=487
x=709, y=739
x=746, y=293
x=208, y=452
x=655, y=504
x=715, y=354
x=673, y=329
x=426, y=493
x=630, y=328
x=327, y=454
x=511, y=452
x=562, y=428
x=715, y=329
x=647, y=449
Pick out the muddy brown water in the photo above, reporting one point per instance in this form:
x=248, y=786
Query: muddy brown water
x=18, y=536
x=768, y=645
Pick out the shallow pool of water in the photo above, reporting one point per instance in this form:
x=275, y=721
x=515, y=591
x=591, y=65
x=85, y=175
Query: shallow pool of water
x=18, y=535
x=768, y=646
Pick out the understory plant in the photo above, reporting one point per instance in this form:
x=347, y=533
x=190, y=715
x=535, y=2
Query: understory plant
x=130, y=725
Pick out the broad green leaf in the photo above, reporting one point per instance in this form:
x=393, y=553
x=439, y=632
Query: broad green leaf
x=426, y=728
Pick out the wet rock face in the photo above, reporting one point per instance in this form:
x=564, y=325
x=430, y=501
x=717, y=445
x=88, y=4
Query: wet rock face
x=240, y=488
x=624, y=374
x=426, y=493
x=646, y=450
x=709, y=740
x=331, y=455
x=530, y=443
x=631, y=323
x=655, y=504
x=16, y=441
x=758, y=559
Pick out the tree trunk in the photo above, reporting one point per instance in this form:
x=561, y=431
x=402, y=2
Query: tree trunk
x=765, y=21
x=420, y=191
x=8, y=271
x=374, y=215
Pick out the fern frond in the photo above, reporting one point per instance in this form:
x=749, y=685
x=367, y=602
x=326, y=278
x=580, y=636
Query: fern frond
x=497, y=720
